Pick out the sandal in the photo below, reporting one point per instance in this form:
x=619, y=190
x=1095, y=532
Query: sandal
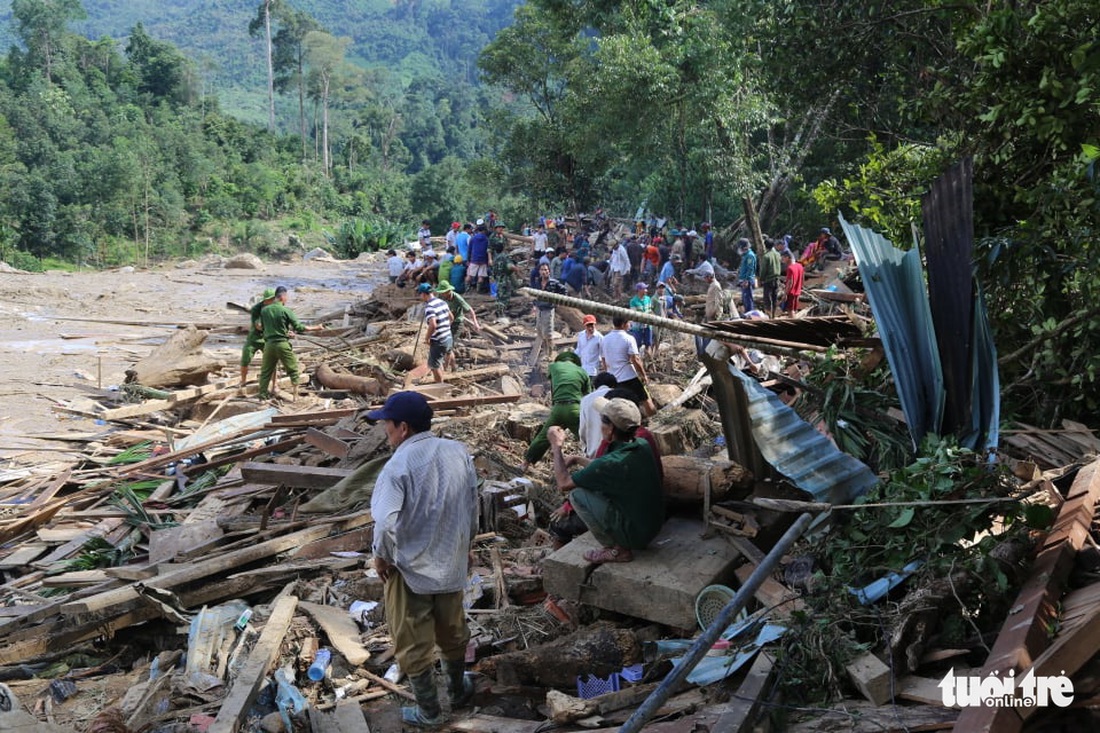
x=608, y=554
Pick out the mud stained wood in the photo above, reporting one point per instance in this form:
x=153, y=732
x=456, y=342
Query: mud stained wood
x=660, y=585
x=1023, y=637
x=342, y=632
x=742, y=710
x=252, y=676
x=217, y=566
x=303, y=477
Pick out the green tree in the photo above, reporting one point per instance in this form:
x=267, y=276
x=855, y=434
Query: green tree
x=326, y=61
x=42, y=26
x=289, y=60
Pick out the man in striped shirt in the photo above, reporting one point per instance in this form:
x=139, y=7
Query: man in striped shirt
x=437, y=318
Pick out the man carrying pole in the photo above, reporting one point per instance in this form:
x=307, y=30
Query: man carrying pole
x=277, y=322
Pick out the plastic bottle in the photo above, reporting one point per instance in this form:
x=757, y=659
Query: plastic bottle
x=243, y=619
x=320, y=665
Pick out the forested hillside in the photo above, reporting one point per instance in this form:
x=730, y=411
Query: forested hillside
x=132, y=147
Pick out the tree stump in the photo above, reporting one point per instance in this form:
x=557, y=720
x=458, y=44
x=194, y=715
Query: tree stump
x=686, y=479
x=178, y=362
x=359, y=385
x=599, y=650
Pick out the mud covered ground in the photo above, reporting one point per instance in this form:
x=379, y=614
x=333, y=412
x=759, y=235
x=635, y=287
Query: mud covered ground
x=62, y=333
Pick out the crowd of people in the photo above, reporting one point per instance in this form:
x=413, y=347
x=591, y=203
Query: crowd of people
x=424, y=501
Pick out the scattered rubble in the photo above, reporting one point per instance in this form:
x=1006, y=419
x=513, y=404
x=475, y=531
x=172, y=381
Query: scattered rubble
x=203, y=551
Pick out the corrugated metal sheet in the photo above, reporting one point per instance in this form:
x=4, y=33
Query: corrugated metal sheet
x=898, y=298
x=948, y=213
x=985, y=394
x=798, y=451
x=815, y=330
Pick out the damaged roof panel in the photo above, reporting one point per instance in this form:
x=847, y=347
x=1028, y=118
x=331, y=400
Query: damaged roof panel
x=895, y=287
x=809, y=459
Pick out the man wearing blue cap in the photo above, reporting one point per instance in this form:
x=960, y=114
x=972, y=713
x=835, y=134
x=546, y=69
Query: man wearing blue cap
x=424, y=506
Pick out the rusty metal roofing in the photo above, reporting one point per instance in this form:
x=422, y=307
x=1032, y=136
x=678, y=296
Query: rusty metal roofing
x=815, y=330
x=806, y=457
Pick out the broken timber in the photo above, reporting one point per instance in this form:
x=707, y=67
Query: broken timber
x=1024, y=636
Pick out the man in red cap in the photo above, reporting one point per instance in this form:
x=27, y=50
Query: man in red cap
x=588, y=347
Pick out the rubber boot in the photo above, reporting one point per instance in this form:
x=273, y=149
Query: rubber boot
x=459, y=686
x=427, y=712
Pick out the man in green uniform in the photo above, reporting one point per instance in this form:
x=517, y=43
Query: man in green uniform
x=618, y=495
x=278, y=321
x=255, y=340
x=568, y=383
x=502, y=267
x=771, y=268
x=459, y=308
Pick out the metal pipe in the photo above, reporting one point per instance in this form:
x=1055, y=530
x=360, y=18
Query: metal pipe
x=706, y=640
x=671, y=324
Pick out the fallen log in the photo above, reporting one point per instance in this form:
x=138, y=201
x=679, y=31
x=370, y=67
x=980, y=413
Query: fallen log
x=179, y=361
x=599, y=650
x=359, y=385
x=686, y=478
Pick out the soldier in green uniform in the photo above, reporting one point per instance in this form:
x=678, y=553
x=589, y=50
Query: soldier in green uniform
x=254, y=341
x=502, y=267
x=568, y=383
x=277, y=321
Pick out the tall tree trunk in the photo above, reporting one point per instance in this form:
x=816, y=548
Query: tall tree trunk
x=270, y=68
x=302, y=97
x=326, y=163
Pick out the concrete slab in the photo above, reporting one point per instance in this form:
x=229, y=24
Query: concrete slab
x=660, y=585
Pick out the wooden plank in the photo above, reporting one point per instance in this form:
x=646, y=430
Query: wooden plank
x=1023, y=637
x=23, y=555
x=303, y=477
x=357, y=540
x=281, y=447
x=75, y=578
x=342, y=632
x=496, y=370
x=326, y=416
x=772, y=593
x=1071, y=650
x=215, y=566
x=742, y=710
x=925, y=689
x=327, y=443
x=247, y=685
x=350, y=718
x=494, y=399
x=48, y=493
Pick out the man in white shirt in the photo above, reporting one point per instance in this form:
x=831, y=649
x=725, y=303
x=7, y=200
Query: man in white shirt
x=395, y=265
x=540, y=240
x=623, y=359
x=452, y=235
x=620, y=268
x=588, y=347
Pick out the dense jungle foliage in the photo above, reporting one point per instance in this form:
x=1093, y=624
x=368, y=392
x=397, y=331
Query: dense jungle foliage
x=160, y=138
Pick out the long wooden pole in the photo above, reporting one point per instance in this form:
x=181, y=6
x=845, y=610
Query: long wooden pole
x=797, y=351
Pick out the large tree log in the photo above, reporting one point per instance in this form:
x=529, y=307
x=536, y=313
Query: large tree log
x=599, y=650
x=686, y=478
x=179, y=361
x=359, y=385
